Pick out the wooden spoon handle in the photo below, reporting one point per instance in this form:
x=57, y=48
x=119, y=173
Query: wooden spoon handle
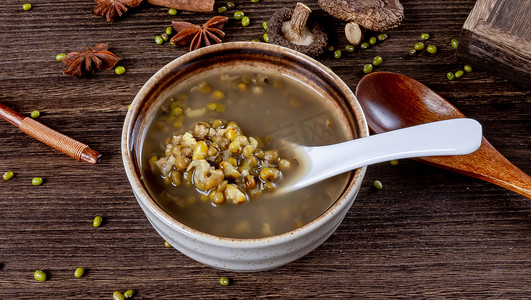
x=50, y=137
x=486, y=164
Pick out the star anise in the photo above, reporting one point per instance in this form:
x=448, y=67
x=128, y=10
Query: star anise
x=97, y=58
x=110, y=8
x=199, y=36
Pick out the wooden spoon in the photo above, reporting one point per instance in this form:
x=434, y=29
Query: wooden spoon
x=391, y=101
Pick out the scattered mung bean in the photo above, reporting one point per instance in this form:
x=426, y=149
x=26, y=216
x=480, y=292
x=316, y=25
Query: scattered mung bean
x=454, y=43
x=78, y=273
x=40, y=275
x=432, y=49
x=239, y=15
x=117, y=295
x=224, y=281
x=246, y=21
x=60, y=56
x=129, y=293
x=419, y=46
x=378, y=60
x=367, y=68
x=119, y=70
x=35, y=114
x=169, y=30
x=450, y=75
x=8, y=175
x=377, y=184
x=97, y=221
x=36, y=181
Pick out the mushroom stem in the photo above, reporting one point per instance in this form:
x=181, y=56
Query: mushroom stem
x=354, y=33
x=299, y=19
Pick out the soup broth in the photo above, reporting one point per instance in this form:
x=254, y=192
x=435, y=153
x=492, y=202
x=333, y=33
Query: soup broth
x=271, y=107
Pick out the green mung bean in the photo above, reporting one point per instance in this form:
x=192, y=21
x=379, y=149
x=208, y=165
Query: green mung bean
x=97, y=221
x=78, y=273
x=224, y=281
x=129, y=293
x=450, y=76
x=36, y=181
x=119, y=70
x=40, y=275
x=8, y=175
x=117, y=295
x=432, y=49
x=246, y=21
x=60, y=56
x=169, y=30
x=35, y=114
x=377, y=184
x=367, y=68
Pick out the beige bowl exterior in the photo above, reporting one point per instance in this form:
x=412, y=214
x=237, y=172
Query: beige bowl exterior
x=228, y=253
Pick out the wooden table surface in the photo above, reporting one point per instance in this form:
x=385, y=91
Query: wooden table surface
x=428, y=233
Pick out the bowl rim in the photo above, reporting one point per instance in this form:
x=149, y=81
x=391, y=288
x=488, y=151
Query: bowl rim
x=143, y=196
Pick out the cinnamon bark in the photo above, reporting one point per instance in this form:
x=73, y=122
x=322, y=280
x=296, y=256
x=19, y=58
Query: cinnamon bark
x=190, y=5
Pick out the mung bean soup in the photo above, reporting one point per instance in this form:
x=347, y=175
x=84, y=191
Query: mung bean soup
x=264, y=109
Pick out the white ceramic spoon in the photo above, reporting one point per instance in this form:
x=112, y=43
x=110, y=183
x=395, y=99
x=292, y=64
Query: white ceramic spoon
x=449, y=137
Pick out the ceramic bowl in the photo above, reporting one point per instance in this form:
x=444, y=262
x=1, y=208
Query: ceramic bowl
x=229, y=253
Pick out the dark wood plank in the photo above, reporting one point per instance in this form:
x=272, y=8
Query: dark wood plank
x=428, y=233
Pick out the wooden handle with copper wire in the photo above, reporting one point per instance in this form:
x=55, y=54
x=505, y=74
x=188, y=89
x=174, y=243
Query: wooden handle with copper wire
x=50, y=137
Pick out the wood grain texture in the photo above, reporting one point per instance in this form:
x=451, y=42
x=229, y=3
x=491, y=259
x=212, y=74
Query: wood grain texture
x=429, y=233
x=497, y=34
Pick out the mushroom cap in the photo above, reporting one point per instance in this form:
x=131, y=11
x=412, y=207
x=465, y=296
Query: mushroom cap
x=375, y=15
x=274, y=29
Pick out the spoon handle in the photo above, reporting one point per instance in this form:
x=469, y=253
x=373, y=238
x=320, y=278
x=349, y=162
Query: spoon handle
x=486, y=164
x=449, y=137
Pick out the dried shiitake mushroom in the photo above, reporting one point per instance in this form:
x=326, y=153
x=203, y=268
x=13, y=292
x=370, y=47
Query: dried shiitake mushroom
x=375, y=15
x=293, y=29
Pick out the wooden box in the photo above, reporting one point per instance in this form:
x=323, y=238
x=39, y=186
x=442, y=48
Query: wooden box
x=497, y=37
